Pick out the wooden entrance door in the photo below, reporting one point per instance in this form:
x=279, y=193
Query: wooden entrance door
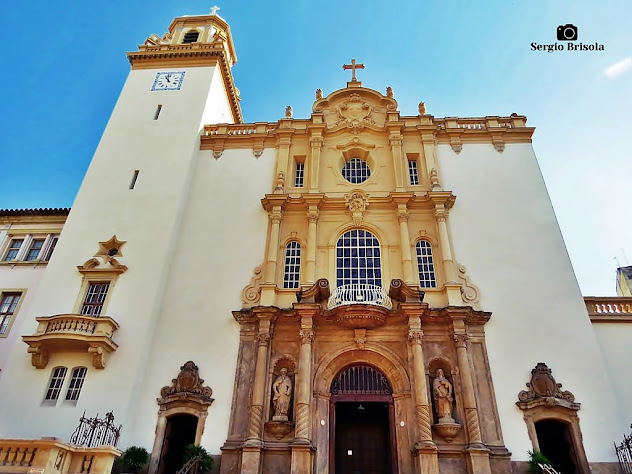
x=361, y=423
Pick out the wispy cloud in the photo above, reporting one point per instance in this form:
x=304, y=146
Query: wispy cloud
x=618, y=68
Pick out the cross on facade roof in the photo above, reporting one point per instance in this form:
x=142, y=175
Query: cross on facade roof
x=214, y=10
x=353, y=66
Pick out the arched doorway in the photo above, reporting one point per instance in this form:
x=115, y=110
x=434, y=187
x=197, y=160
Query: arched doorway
x=362, y=430
x=556, y=443
x=179, y=433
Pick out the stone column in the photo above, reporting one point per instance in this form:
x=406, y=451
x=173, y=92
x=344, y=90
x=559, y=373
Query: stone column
x=276, y=215
x=310, y=257
x=402, y=216
x=252, y=447
x=302, y=447
x=441, y=213
x=478, y=454
x=424, y=448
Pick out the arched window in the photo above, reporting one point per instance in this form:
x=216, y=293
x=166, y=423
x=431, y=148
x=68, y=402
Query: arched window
x=191, y=36
x=356, y=171
x=76, y=382
x=425, y=265
x=56, y=381
x=358, y=259
x=292, y=269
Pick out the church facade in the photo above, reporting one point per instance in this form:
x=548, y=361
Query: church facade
x=354, y=291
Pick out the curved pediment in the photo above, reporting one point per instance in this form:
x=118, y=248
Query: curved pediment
x=355, y=108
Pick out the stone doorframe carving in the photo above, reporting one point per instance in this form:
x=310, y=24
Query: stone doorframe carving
x=544, y=400
x=185, y=396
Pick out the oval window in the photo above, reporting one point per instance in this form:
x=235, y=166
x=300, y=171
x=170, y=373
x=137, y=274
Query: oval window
x=356, y=171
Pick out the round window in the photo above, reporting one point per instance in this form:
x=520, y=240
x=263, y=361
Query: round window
x=356, y=171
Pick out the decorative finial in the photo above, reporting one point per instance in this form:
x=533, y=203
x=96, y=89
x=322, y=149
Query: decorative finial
x=319, y=94
x=353, y=66
x=288, y=112
x=280, y=184
x=214, y=10
x=389, y=92
x=422, y=108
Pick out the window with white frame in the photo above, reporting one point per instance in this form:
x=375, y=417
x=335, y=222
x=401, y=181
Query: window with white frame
x=413, y=173
x=8, y=304
x=425, y=265
x=95, y=296
x=292, y=268
x=76, y=382
x=356, y=171
x=56, y=382
x=49, y=252
x=358, y=258
x=34, y=250
x=299, y=176
x=13, y=250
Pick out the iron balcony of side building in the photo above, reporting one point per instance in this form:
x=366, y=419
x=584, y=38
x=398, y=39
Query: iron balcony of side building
x=64, y=333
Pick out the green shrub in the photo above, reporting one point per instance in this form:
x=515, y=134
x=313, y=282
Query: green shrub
x=193, y=450
x=135, y=457
x=535, y=458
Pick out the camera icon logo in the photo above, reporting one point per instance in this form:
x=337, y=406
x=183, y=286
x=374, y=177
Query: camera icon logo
x=567, y=32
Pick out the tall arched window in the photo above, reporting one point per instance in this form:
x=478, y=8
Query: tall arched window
x=358, y=259
x=425, y=265
x=292, y=268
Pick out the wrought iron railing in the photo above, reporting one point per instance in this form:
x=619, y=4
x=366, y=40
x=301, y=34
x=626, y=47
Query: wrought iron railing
x=93, y=432
x=624, y=454
x=359, y=293
x=192, y=466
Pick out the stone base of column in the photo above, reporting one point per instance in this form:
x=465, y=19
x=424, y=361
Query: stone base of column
x=478, y=459
x=251, y=457
x=427, y=457
x=302, y=462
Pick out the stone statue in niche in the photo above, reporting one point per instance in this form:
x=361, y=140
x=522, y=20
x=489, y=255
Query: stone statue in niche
x=442, y=391
x=282, y=389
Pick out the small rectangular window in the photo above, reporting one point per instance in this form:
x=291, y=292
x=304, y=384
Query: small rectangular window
x=14, y=248
x=412, y=172
x=300, y=175
x=8, y=303
x=95, y=296
x=49, y=252
x=34, y=250
x=56, y=382
x=76, y=382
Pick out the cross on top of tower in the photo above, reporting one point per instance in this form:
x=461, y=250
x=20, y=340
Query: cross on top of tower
x=353, y=66
x=214, y=10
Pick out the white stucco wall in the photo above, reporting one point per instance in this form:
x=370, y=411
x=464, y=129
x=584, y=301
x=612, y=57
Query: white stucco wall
x=615, y=342
x=506, y=234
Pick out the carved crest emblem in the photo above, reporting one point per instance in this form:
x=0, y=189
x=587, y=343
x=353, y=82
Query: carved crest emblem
x=188, y=381
x=543, y=388
x=355, y=113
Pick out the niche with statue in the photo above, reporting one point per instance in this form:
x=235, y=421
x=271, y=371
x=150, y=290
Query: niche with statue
x=443, y=400
x=281, y=397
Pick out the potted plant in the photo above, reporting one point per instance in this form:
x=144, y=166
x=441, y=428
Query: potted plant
x=535, y=459
x=135, y=458
x=206, y=461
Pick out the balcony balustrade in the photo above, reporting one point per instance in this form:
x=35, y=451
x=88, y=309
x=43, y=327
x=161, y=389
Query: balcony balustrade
x=72, y=333
x=359, y=293
x=610, y=308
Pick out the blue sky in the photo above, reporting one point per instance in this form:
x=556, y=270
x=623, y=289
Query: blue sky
x=65, y=66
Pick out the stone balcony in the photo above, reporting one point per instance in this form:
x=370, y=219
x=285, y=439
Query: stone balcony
x=609, y=308
x=359, y=305
x=64, y=333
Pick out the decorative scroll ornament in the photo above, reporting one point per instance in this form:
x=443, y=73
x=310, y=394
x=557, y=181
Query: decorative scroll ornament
x=187, y=382
x=318, y=292
x=355, y=113
x=544, y=390
x=252, y=293
x=357, y=202
x=469, y=292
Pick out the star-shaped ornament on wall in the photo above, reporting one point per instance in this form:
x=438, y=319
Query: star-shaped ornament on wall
x=110, y=249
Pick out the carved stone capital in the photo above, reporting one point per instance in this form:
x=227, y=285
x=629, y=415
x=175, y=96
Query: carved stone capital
x=415, y=336
x=306, y=335
x=460, y=340
x=402, y=216
x=396, y=140
x=441, y=214
x=312, y=216
x=276, y=216
x=316, y=142
x=263, y=338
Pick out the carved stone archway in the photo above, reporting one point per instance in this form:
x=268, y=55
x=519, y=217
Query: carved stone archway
x=185, y=395
x=545, y=400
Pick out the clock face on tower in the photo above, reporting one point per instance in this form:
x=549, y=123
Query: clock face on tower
x=168, y=81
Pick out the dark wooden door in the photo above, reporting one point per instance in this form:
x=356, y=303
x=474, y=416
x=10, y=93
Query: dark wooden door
x=362, y=438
